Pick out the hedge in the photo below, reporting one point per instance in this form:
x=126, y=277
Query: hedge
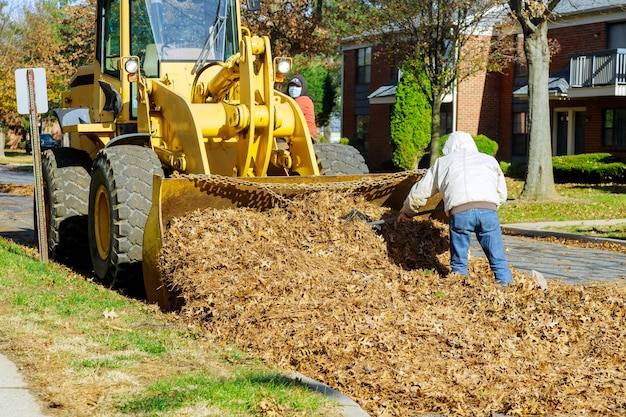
x=588, y=168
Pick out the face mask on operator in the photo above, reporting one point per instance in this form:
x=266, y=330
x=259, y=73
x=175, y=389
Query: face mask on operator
x=294, y=91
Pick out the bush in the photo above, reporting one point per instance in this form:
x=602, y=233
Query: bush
x=589, y=168
x=410, y=123
x=486, y=145
x=514, y=169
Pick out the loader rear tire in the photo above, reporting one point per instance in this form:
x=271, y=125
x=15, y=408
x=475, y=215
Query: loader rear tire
x=120, y=197
x=65, y=174
x=339, y=159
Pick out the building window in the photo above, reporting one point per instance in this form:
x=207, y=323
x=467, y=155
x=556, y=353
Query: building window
x=520, y=133
x=362, y=132
x=617, y=35
x=364, y=65
x=445, y=118
x=521, y=69
x=614, y=127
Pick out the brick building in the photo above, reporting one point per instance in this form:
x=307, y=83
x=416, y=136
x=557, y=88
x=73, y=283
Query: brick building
x=587, y=91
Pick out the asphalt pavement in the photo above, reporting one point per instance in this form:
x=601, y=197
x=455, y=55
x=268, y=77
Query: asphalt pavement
x=566, y=263
x=569, y=264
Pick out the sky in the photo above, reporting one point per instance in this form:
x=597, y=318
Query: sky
x=14, y=7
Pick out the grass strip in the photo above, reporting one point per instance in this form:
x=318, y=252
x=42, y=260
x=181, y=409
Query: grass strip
x=577, y=202
x=87, y=350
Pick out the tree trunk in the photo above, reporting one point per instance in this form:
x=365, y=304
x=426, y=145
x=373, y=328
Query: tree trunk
x=435, y=129
x=539, y=183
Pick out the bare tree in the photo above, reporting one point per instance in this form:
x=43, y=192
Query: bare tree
x=533, y=17
x=443, y=42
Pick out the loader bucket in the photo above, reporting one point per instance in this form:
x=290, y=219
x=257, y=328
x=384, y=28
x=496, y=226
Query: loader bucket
x=174, y=197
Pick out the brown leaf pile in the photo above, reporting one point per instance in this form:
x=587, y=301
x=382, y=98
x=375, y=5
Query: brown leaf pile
x=27, y=189
x=372, y=314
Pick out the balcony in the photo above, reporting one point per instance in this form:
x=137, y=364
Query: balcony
x=596, y=74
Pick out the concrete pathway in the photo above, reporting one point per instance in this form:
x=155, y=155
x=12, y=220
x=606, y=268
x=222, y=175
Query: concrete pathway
x=15, y=399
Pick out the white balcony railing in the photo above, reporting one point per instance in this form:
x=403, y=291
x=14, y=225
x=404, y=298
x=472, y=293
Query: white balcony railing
x=598, y=69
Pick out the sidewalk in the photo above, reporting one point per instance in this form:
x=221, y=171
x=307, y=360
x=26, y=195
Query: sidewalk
x=15, y=399
x=542, y=229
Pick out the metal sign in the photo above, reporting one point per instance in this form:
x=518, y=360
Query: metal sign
x=32, y=98
x=21, y=89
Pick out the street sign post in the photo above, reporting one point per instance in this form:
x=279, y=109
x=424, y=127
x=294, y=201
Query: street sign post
x=32, y=97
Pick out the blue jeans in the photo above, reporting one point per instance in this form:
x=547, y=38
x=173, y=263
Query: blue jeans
x=486, y=225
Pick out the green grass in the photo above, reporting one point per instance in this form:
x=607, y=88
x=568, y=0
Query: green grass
x=250, y=392
x=578, y=202
x=16, y=157
x=79, y=340
x=613, y=232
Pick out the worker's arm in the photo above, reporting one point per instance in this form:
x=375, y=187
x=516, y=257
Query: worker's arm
x=501, y=187
x=418, y=196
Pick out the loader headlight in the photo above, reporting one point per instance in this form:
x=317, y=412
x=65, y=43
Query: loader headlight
x=282, y=66
x=132, y=68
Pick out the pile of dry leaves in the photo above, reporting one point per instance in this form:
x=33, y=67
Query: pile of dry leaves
x=18, y=189
x=372, y=314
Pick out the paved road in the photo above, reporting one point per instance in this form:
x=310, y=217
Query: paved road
x=16, y=174
x=16, y=219
x=555, y=261
x=566, y=263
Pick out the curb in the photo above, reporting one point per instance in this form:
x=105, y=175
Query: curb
x=350, y=408
x=541, y=230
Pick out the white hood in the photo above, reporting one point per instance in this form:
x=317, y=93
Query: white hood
x=459, y=141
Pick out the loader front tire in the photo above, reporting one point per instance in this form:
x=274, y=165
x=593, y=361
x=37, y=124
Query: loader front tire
x=339, y=159
x=65, y=175
x=120, y=197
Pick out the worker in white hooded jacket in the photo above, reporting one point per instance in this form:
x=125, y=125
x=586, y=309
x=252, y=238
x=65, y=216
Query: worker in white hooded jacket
x=473, y=188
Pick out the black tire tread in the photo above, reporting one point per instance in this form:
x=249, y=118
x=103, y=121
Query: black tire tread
x=339, y=159
x=129, y=170
x=66, y=178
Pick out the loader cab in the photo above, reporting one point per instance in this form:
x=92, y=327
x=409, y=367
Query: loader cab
x=161, y=31
x=185, y=30
x=163, y=35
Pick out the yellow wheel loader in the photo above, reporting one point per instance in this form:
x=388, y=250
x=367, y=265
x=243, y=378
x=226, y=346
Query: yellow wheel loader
x=179, y=111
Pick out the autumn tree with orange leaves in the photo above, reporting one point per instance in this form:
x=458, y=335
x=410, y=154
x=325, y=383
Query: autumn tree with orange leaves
x=56, y=36
x=295, y=27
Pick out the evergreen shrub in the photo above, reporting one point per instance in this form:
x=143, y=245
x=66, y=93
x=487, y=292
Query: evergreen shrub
x=589, y=168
